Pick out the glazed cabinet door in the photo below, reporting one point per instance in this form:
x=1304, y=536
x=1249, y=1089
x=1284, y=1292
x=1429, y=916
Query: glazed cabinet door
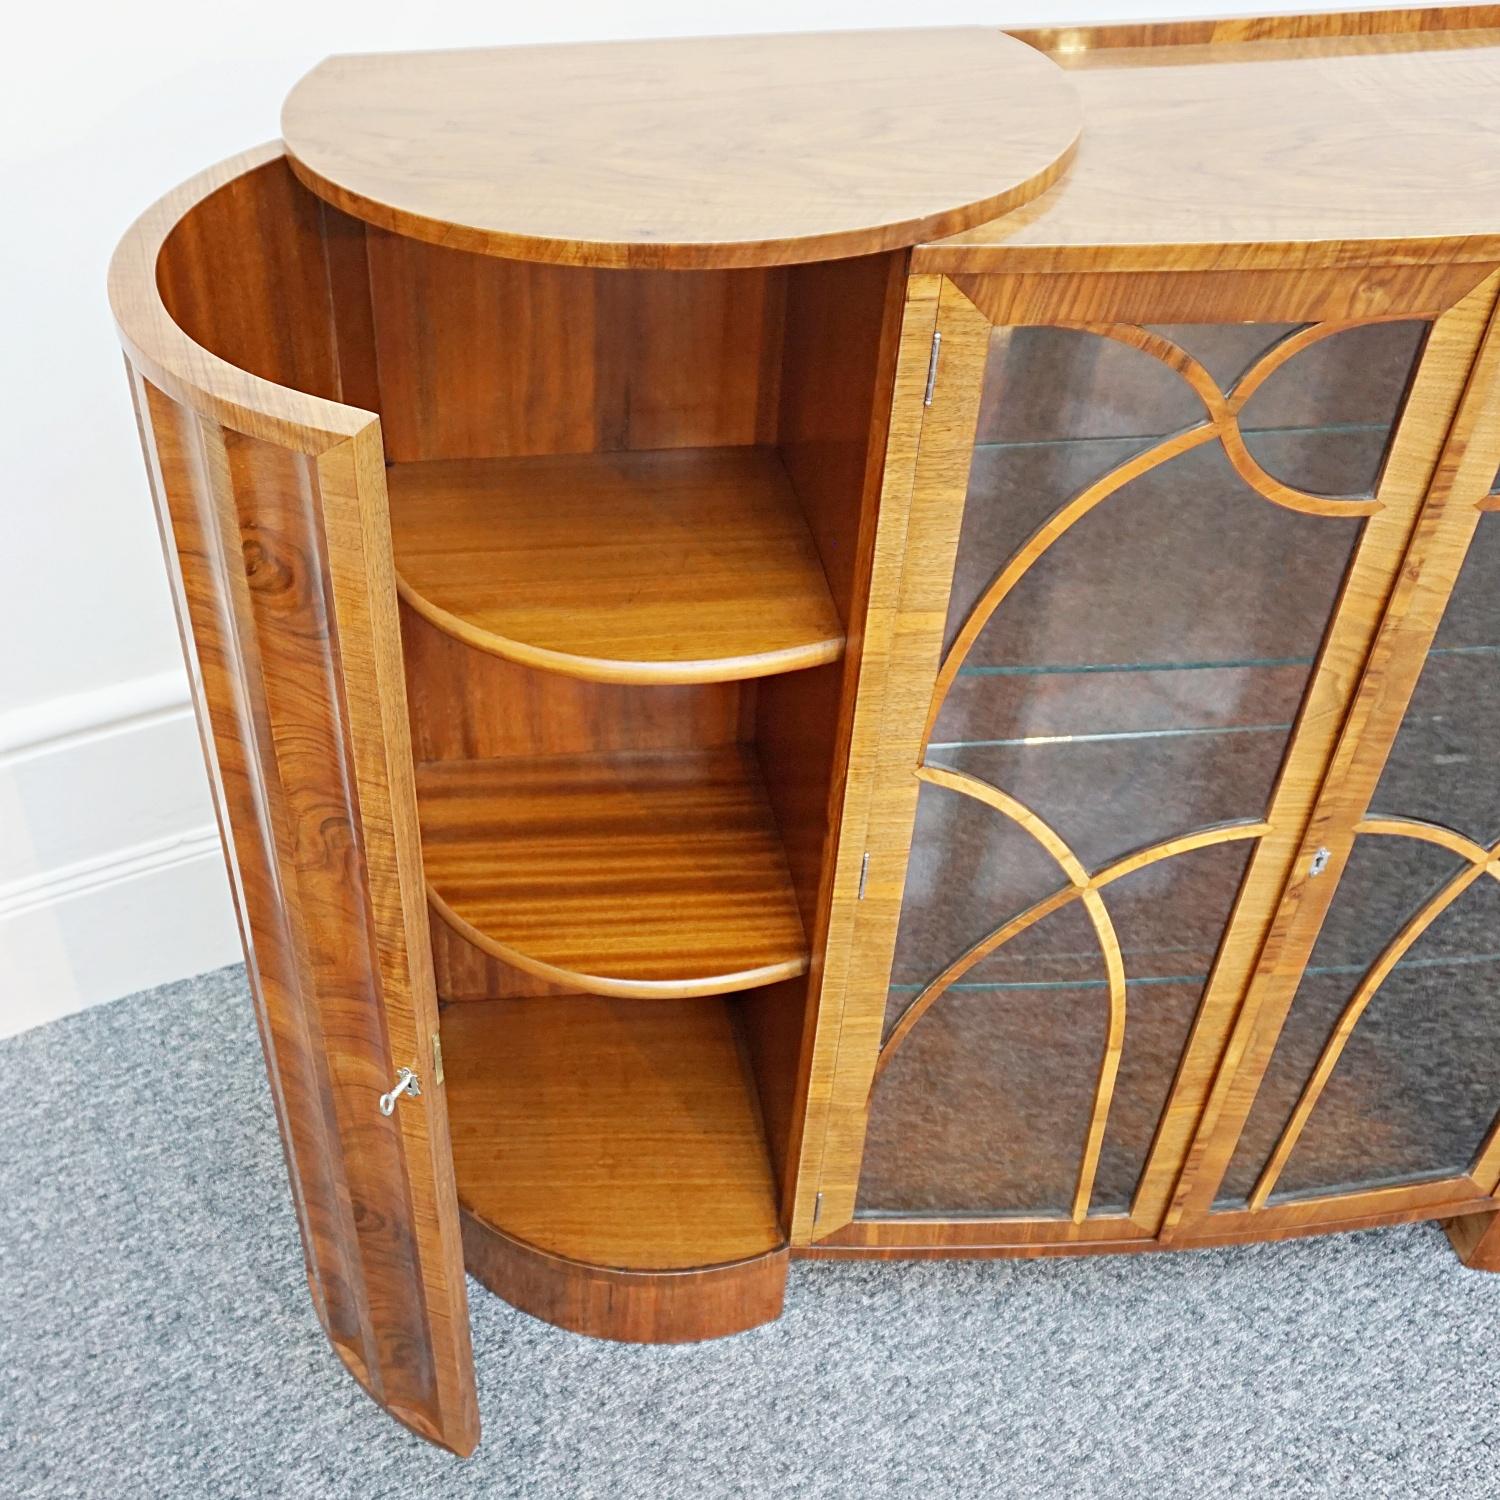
x=1144, y=559
x=280, y=562
x=1368, y=1080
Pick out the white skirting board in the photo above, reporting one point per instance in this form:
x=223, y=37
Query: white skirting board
x=111, y=872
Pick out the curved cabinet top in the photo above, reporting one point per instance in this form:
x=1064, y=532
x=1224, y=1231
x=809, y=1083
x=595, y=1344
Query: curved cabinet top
x=689, y=153
x=1291, y=142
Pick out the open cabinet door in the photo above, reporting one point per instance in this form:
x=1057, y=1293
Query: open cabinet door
x=279, y=552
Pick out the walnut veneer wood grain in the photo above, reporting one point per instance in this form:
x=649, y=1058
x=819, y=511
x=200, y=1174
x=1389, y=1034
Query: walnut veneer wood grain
x=1072, y=40
x=1319, y=150
x=724, y=467
x=927, y=458
x=726, y=151
x=650, y=874
x=1394, y=601
x=1476, y=1239
x=471, y=705
x=680, y=565
x=843, y=329
x=1027, y=1238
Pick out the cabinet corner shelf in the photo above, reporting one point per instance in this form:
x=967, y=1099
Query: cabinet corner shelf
x=670, y=566
x=646, y=874
x=606, y=1150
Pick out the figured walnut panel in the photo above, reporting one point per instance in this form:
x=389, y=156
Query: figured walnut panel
x=470, y=705
x=484, y=358
x=1438, y=474
x=1081, y=40
x=260, y=233
x=271, y=503
x=341, y=989
x=1225, y=153
x=632, y=1307
x=464, y=972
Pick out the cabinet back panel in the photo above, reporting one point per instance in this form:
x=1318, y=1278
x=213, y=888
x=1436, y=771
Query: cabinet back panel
x=468, y=705
x=487, y=358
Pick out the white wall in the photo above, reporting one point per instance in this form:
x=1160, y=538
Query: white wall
x=110, y=874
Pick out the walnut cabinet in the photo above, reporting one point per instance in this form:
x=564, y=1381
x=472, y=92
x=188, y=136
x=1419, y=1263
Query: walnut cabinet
x=883, y=644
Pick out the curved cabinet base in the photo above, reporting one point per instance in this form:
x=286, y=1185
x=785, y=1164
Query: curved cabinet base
x=633, y=1307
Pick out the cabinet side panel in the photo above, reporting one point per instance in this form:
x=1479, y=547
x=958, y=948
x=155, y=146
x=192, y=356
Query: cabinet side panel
x=843, y=323
x=307, y=810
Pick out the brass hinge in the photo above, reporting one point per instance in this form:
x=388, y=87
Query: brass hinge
x=817, y=1207
x=937, y=344
x=437, y=1058
x=864, y=875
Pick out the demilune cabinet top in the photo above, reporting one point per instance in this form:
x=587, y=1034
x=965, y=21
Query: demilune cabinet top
x=873, y=643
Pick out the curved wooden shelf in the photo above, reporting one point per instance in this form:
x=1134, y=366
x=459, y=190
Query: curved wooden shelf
x=692, y=152
x=648, y=875
x=677, y=565
x=612, y=1167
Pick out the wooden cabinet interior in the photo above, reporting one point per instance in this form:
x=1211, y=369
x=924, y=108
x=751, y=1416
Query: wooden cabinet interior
x=624, y=789
x=628, y=788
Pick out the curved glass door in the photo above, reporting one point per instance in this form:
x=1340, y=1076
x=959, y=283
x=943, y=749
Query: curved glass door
x=1157, y=528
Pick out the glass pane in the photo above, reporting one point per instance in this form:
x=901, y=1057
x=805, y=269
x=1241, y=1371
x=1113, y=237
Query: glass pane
x=1333, y=462
x=1169, y=918
x=1419, y=1080
x=985, y=1106
x=1445, y=764
x=1418, y=1084
x=1357, y=378
x=1138, y=682
x=971, y=869
x=1047, y=385
x=1107, y=795
x=1180, y=566
x=1130, y=687
x=1385, y=881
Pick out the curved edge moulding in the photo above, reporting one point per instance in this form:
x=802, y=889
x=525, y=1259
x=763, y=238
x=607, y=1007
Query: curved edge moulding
x=679, y=1237
x=272, y=501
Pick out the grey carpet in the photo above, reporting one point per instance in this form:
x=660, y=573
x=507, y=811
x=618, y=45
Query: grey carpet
x=156, y=1338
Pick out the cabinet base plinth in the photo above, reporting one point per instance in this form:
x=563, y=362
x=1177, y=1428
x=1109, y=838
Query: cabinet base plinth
x=632, y=1307
x=1476, y=1240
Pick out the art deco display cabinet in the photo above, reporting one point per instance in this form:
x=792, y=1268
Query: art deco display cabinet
x=873, y=644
